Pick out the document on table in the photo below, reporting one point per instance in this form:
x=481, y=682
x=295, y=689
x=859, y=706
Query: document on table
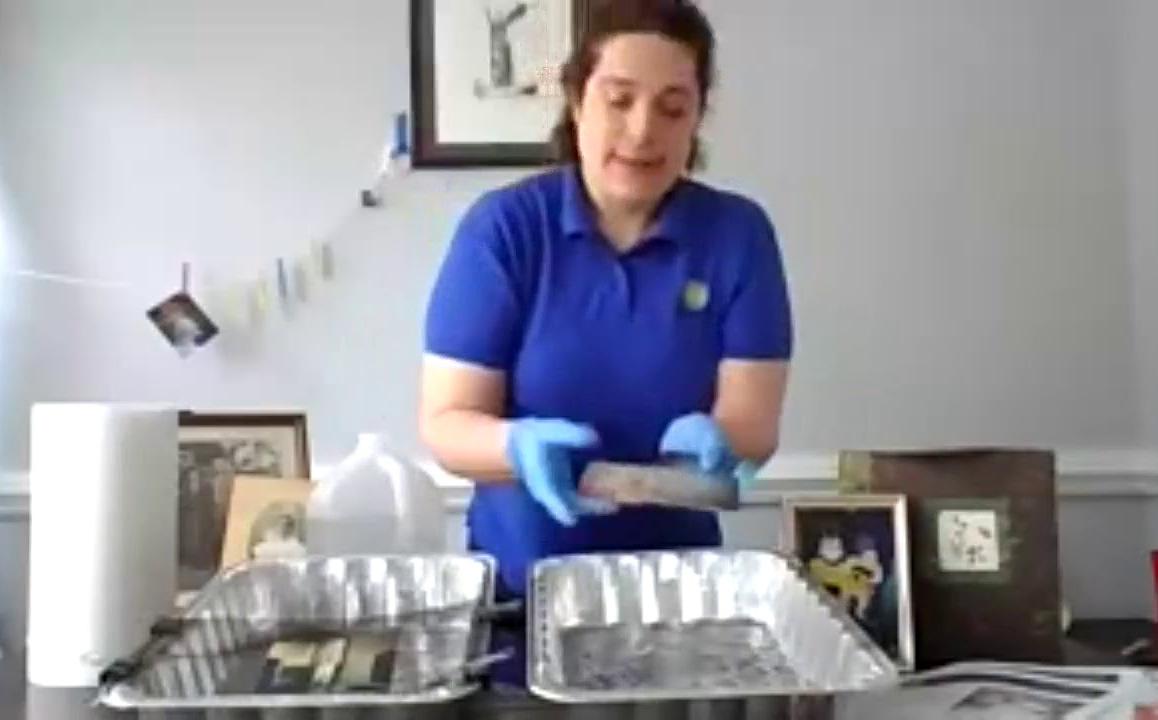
x=1010, y=691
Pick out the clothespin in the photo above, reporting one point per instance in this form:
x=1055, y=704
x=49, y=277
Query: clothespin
x=282, y=284
x=328, y=261
x=260, y=298
x=394, y=161
x=301, y=280
x=322, y=255
x=237, y=302
x=401, y=147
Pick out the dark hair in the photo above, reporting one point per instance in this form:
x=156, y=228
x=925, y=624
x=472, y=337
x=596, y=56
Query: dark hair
x=678, y=20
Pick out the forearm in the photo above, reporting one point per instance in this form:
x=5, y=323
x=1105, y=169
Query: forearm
x=748, y=406
x=469, y=443
x=755, y=442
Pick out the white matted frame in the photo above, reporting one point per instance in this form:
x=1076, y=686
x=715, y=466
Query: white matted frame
x=485, y=89
x=857, y=548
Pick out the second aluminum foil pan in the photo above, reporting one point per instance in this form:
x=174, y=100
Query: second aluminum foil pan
x=695, y=624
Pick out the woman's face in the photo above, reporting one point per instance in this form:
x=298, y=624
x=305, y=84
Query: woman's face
x=637, y=118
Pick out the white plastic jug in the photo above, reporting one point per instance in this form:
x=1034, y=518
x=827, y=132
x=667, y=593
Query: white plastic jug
x=375, y=502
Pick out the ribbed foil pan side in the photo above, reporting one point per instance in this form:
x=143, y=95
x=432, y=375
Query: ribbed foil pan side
x=424, y=607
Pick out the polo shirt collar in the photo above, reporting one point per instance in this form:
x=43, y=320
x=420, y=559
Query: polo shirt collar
x=578, y=215
x=675, y=220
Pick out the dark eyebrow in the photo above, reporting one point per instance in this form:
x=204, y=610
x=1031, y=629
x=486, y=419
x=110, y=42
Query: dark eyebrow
x=617, y=81
x=626, y=83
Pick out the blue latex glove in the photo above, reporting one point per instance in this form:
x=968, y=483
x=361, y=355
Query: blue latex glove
x=539, y=450
x=699, y=436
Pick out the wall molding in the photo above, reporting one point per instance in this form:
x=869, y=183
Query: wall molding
x=1103, y=473
x=1091, y=473
x=13, y=484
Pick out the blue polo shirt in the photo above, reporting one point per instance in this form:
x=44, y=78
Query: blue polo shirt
x=625, y=342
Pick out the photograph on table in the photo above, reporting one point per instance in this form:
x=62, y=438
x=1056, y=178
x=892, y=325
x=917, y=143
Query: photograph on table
x=267, y=519
x=988, y=702
x=857, y=549
x=485, y=84
x=213, y=448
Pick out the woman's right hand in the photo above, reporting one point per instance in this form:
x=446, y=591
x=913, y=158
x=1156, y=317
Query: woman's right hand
x=539, y=450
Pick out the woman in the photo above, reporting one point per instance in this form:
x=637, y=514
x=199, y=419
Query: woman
x=609, y=308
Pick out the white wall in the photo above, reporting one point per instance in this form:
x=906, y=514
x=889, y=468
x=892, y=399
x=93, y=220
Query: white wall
x=1140, y=102
x=947, y=179
x=1141, y=55
x=137, y=136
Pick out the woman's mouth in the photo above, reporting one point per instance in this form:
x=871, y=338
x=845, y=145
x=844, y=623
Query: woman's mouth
x=639, y=164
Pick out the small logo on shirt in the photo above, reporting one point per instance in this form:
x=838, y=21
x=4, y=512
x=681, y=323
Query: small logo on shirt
x=695, y=295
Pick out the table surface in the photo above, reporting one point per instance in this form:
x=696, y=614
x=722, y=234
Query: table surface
x=1094, y=642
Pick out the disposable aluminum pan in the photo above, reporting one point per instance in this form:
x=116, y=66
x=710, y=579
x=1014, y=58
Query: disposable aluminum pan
x=688, y=625
x=348, y=631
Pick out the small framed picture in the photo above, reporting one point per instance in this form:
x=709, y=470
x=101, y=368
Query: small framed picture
x=213, y=448
x=857, y=548
x=485, y=84
x=267, y=519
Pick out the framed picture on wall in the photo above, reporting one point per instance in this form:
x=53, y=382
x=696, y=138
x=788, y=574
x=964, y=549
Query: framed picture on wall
x=214, y=448
x=485, y=85
x=857, y=549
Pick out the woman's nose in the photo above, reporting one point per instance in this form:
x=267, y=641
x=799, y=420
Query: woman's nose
x=641, y=124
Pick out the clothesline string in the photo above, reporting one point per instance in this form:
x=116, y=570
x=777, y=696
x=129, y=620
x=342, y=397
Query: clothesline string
x=63, y=279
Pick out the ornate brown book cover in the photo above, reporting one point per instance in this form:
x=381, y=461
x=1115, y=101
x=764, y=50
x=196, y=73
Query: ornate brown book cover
x=984, y=548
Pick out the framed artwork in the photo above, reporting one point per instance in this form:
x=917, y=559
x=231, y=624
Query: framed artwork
x=972, y=540
x=857, y=549
x=213, y=448
x=984, y=543
x=267, y=519
x=485, y=85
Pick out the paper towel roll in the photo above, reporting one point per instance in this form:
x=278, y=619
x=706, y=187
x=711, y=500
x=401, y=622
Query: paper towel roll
x=103, y=535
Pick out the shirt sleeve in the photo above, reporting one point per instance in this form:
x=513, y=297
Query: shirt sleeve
x=758, y=324
x=474, y=314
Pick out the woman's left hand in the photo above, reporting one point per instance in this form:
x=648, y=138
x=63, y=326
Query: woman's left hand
x=699, y=435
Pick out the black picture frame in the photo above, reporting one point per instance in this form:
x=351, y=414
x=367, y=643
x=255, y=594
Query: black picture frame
x=428, y=151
